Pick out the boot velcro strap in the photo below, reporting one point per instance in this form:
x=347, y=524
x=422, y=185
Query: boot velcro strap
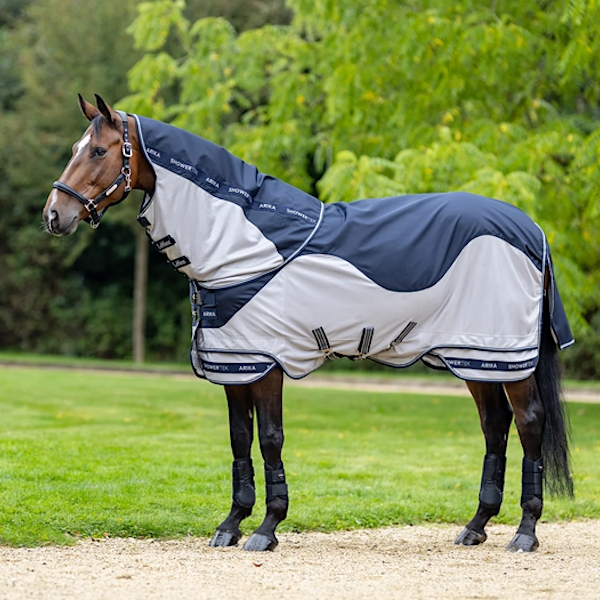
x=243, y=482
x=275, y=482
x=531, y=481
x=492, y=481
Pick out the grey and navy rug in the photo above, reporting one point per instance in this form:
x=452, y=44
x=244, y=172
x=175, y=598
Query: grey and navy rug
x=277, y=277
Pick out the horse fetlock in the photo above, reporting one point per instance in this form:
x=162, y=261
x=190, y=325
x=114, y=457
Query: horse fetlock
x=532, y=508
x=277, y=509
x=244, y=494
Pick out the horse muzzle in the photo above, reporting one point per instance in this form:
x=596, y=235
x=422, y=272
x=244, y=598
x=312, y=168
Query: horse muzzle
x=60, y=223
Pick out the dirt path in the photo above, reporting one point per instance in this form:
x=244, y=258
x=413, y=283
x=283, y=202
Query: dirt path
x=445, y=387
x=369, y=383
x=406, y=562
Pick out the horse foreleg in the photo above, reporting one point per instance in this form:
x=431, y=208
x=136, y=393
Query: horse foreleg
x=530, y=416
x=496, y=416
x=241, y=412
x=267, y=396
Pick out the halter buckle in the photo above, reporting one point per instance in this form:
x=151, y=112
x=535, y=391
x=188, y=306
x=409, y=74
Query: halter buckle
x=127, y=150
x=90, y=206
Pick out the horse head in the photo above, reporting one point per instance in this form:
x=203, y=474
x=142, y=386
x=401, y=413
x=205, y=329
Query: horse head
x=106, y=164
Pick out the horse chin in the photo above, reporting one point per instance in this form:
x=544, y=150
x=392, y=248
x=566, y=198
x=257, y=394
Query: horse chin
x=60, y=229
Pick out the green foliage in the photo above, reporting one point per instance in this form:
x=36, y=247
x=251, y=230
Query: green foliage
x=372, y=98
x=56, y=49
x=348, y=99
x=584, y=358
x=74, y=295
x=92, y=454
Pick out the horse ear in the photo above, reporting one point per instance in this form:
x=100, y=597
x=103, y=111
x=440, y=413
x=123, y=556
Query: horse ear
x=89, y=110
x=106, y=111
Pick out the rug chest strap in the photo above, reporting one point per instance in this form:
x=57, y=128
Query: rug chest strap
x=492, y=481
x=275, y=482
x=531, y=482
x=243, y=482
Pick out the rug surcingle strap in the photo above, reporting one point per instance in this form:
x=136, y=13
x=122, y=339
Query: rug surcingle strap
x=323, y=343
x=366, y=338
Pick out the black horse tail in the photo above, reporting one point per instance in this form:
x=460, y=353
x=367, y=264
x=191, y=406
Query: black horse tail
x=555, y=441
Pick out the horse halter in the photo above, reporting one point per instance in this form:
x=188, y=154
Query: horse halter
x=91, y=205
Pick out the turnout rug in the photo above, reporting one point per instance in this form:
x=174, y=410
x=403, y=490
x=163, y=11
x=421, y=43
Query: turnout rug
x=277, y=277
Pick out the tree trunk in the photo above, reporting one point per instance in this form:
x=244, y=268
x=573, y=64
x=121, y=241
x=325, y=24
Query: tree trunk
x=140, y=287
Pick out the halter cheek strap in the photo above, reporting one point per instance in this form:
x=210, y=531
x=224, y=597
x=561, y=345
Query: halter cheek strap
x=91, y=205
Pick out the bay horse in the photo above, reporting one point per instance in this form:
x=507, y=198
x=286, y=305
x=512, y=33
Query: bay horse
x=281, y=283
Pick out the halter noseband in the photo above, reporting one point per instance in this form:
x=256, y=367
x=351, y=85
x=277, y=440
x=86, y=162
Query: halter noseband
x=91, y=205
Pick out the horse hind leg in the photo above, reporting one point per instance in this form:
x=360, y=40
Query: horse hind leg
x=239, y=401
x=530, y=415
x=496, y=416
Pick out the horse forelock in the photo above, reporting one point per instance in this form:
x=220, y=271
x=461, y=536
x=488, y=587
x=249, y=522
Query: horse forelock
x=97, y=122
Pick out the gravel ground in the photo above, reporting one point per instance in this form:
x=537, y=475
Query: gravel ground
x=409, y=385
x=406, y=562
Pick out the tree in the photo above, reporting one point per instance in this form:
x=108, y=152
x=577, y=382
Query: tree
x=364, y=98
x=54, y=50
x=74, y=295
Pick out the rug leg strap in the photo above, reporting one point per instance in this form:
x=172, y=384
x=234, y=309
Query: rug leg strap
x=531, y=482
x=243, y=482
x=275, y=482
x=492, y=481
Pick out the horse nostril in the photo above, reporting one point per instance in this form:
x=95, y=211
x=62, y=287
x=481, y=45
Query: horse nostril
x=52, y=219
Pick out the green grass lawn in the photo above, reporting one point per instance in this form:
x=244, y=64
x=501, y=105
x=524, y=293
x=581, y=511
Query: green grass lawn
x=90, y=454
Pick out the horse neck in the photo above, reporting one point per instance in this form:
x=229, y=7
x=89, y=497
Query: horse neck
x=144, y=177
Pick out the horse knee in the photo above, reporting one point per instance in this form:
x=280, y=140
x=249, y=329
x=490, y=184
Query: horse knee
x=271, y=441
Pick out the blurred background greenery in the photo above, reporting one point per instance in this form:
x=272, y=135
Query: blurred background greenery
x=345, y=99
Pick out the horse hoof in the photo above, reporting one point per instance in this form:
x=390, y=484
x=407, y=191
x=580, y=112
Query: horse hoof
x=470, y=537
x=260, y=543
x=223, y=537
x=523, y=543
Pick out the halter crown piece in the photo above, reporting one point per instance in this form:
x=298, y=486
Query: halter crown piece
x=91, y=205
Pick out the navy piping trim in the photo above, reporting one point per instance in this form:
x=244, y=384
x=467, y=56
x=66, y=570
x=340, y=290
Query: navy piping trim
x=274, y=269
x=542, y=297
x=547, y=264
x=147, y=199
x=204, y=181
x=477, y=237
x=373, y=358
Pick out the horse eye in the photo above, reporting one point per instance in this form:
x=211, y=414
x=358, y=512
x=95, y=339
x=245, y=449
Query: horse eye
x=98, y=151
